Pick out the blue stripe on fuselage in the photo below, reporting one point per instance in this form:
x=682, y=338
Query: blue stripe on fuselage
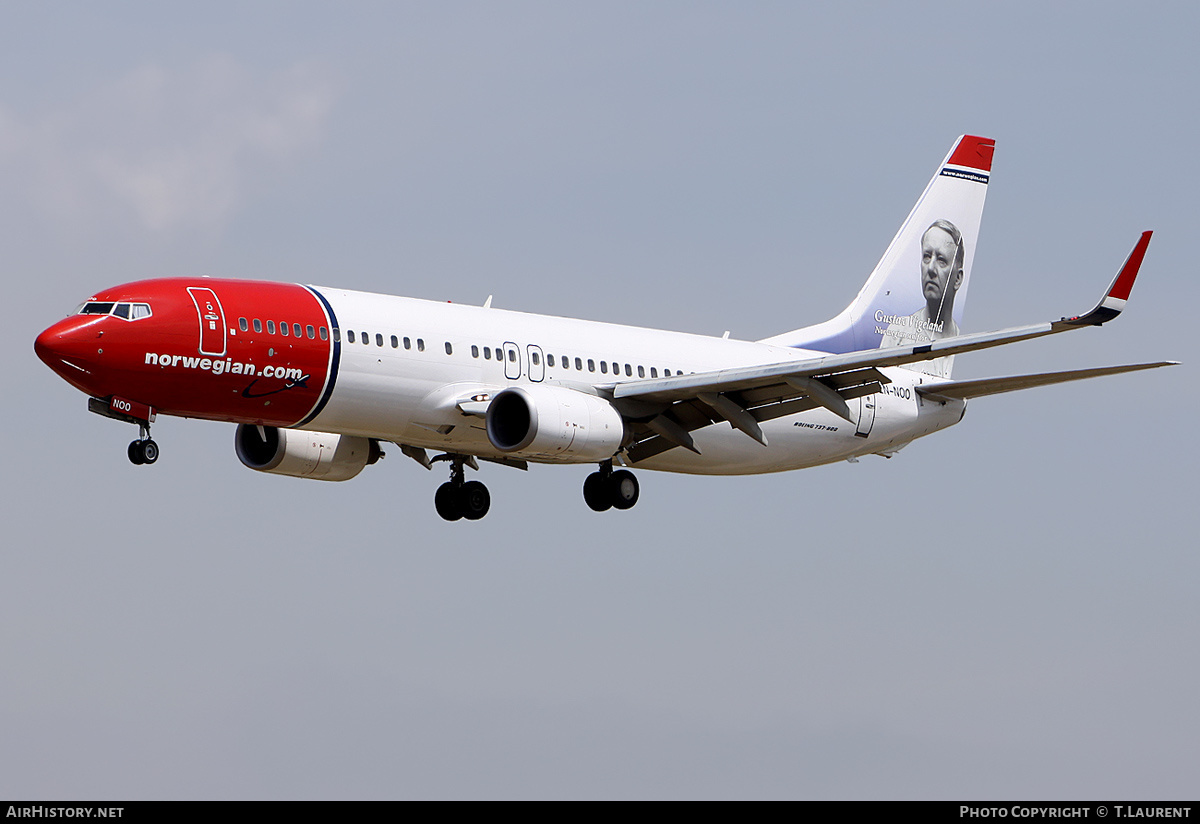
x=331, y=378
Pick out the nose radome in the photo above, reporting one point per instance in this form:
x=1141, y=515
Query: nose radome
x=43, y=346
x=50, y=346
x=64, y=347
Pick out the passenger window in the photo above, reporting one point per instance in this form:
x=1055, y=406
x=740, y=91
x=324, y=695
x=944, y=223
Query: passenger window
x=337, y=335
x=654, y=371
x=378, y=339
x=579, y=364
x=449, y=348
x=270, y=327
x=407, y=343
x=549, y=360
x=604, y=367
x=533, y=356
x=350, y=335
x=283, y=328
x=365, y=337
x=628, y=371
x=324, y=333
x=257, y=325
x=420, y=344
x=474, y=351
x=311, y=332
x=296, y=329
x=641, y=371
x=487, y=353
x=591, y=365
x=395, y=342
x=243, y=325
x=512, y=355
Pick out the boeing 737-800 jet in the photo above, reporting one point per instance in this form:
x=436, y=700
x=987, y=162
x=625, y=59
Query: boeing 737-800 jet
x=317, y=378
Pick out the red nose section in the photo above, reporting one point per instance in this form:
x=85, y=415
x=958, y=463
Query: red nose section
x=71, y=348
x=226, y=350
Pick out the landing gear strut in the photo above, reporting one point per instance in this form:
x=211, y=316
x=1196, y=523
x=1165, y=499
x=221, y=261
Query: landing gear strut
x=607, y=489
x=144, y=450
x=458, y=499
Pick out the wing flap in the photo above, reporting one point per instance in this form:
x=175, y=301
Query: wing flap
x=698, y=418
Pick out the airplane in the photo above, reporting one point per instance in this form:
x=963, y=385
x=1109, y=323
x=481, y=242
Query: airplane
x=317, y=378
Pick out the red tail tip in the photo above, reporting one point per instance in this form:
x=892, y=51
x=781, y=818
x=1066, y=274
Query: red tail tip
x=974, y=152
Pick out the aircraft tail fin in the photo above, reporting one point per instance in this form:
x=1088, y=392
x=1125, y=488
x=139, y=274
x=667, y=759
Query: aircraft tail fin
x=917, y=291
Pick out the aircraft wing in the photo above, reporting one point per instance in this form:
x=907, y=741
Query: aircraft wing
x=964, y=390
x=666, y=410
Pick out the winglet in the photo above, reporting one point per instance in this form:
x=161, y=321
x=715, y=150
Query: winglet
x=1118, y=293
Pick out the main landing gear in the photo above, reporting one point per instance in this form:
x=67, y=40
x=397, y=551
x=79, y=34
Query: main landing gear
x=607, y=489
x=144, y=450
x=458, y=499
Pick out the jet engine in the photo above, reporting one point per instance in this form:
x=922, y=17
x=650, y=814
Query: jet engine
x=319, y=455
x=553, y=423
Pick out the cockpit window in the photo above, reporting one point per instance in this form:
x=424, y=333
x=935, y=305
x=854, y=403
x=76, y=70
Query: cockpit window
x=125, y=311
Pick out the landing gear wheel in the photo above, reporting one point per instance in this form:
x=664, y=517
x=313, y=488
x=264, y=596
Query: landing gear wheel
x=457, y=499
x=142, y=452
x=623, y=489
x=149, y=450
x=474, y=500
x=448, y=502
x=596, y=492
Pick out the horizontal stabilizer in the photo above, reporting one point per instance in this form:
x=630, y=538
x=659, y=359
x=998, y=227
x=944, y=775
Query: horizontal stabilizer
x=963, y=390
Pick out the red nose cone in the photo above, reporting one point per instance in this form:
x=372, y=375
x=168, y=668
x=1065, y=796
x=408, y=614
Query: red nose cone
x=44, y=347
x=69, y=347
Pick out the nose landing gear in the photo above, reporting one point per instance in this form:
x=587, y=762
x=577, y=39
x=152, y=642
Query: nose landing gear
x=458, y=499
x=144, y=450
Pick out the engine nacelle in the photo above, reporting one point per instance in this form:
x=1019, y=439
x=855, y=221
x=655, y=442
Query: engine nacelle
x=302, y=454
x=553, y=423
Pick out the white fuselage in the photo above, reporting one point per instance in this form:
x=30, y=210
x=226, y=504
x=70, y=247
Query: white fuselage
x=411, y=395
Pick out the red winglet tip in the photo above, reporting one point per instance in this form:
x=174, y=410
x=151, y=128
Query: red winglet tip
x=974, y=152
x=1124, y=283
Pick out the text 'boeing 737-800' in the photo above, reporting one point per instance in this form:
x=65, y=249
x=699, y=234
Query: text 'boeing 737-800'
x=317, y=378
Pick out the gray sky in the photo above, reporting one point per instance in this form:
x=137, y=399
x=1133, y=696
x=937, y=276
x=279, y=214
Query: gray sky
x=1006, y=609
